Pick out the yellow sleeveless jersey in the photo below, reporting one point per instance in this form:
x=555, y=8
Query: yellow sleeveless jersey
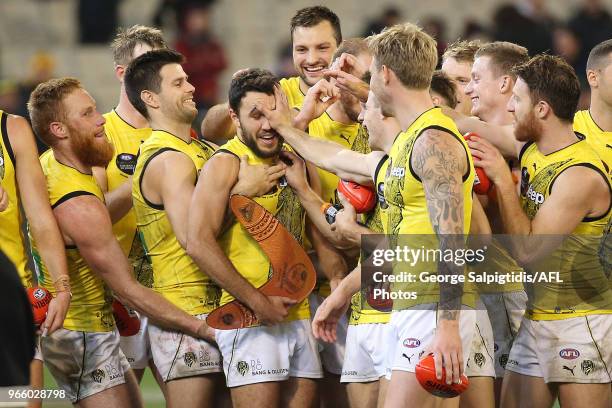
x=126, y=140
x=175, y=275
x=291, y=88
x=582, y=287
x=374, y=220
x=600, y=140
x=242, y=250
x=408, y=213
x=90, y=306
x=12, y=240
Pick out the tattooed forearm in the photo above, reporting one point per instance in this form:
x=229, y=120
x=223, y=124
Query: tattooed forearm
x=440, y=162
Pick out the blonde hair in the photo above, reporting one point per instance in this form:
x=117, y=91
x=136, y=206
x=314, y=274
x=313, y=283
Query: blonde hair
x=408, y=51
x=462, y=50
x=127, y=39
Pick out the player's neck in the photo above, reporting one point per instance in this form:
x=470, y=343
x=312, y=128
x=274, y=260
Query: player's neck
x=556, y=135
x=68, y=158
x=408, y=105
x=601, y=114
x=179, y=129
x=128, y=113
x=304, y=87
x=499, y=117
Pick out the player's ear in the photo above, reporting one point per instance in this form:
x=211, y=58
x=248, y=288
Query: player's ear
x=234, y=118
x=592, y=78
x=120, y=72
x=149, y=98
x=386, y=73
x=506, y=84
x=58, y=129
x=542, y=110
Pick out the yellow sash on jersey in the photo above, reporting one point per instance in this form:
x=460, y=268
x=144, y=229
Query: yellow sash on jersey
x=585, y=288
x=90, y=306
x=175, y=275
x=242, y=250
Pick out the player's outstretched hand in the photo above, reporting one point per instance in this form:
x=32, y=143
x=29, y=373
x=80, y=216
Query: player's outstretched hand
x=317, y=100
x=278, y=115
x=325, y=321
x=349, y=83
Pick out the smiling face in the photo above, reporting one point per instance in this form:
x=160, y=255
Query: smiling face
x=253, y=127
x=86, y=129
x=313, y=50
x=484, y=88
x=459, y=73
x=176, y=94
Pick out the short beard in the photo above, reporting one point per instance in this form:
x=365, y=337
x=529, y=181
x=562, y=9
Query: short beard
x=528, y=130
x=251, y=142
x=91, y=152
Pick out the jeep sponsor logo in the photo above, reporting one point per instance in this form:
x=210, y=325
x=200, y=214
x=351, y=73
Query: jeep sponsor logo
x=126, y=162
x=412, y=342
x=569, y=354
x=534, y=196
x=98, y=375
x=398, y=172
x=189, y=358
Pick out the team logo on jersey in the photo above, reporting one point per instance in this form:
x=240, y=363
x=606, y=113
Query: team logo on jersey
x=412, y=342
x=189, y=358
x=569, y=354
x=98, y=375
x=380, y=194
x=126, y=162
x=587, y=367
x=479, y=359
x=503, y=360
x=242, y=367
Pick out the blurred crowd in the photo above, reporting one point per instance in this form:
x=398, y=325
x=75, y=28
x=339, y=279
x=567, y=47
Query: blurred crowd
x=526, y=22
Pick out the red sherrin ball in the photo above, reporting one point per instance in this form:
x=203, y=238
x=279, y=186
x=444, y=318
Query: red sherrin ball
x=482, y=184
x=426, y=375
x=39, y=299
x=127, y=320
x=361, y=197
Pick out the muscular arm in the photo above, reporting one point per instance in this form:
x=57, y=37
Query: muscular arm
x=440, y=162
x=98, y=246
x=119, y=201
x=206, y=215
x=501, y=137
x=35, y=200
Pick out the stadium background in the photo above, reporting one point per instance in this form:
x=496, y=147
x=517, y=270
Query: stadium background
x=40, y=39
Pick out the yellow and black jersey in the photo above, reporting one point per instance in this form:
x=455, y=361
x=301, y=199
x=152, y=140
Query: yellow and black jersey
x=374, y=221
x=408, y=211
x=291, y=88
x=90, y=306
x=600, y=140
x=175, y=275
x=12, y=239
x=583, y=287
x=126, y=140
x=242, y=250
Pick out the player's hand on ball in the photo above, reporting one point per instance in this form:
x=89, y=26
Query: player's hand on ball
x=489, y=159
x=346, y=219
x=325, y=321
x=447, y=350
x=58, y=308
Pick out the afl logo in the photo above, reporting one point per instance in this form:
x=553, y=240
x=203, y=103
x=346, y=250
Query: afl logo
x=412, y=342
x=569, y=354
x=126, y=162
x=39, y=294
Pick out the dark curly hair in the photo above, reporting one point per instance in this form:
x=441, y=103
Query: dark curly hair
x=250, y=80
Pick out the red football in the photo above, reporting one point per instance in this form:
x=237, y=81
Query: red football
x=39, y=299
x=127, y=320
x=361, y=197
x=482, y=184
x=426, y=375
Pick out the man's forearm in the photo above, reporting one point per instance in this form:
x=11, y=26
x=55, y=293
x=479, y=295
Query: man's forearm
x=119, y=201
x=210, y=258
x=217, y=124
x=514, y=218
x=317, y=151
x=50, y=245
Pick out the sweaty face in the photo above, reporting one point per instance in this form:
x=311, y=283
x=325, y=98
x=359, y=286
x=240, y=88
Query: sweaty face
x=483, y=89
x=86, y=126
x=176, y=94
x=460, y=74
x=527, y=126
x=254, y=128
x=313, y=49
